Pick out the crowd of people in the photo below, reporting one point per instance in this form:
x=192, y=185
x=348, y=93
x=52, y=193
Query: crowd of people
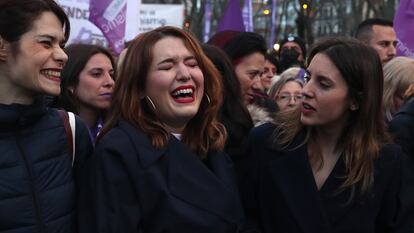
x=176, y=135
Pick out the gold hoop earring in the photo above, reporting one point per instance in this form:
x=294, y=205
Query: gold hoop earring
x=149, y=100
x=207, y=97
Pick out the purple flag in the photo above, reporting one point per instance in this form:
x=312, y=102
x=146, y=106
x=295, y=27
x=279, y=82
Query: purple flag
x=273, y=24
x=207, y=20
x=404, y=27
x=248, y=15
x=232, y=18
x=109, y=16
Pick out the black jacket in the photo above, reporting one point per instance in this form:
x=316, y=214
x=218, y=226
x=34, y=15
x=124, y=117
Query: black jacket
x=144, y=189
x=279, y=192
x=402, y=127
x=37, y=184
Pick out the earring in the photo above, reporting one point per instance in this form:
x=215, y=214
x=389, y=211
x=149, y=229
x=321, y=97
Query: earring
x=207, y=97
x=353, y=107
x=149, y=100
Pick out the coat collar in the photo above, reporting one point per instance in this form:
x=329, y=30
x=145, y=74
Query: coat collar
x=203, y=183
x=142, y=144
x=18, y=116
x=209, y=188
x=294, y=178
x=407, y=108
x=315, y=210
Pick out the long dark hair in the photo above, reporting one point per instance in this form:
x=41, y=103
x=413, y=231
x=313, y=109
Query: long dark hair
x=78, y=57
x=233, y=113
x=364, y=133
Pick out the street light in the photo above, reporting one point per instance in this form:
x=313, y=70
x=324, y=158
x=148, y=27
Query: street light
x=276, y=47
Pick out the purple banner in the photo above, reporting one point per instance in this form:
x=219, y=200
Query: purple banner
x=109, y=16
x=273, y=25
x=404, y=27
x=232, y=18
x=207, y=20
x=248, y=15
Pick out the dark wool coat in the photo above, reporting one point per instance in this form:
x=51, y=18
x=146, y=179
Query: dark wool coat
x=143, y=189
x=280, y=195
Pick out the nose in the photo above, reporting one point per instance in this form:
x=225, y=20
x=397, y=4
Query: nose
x=392, y=51
x=257, y=84
x=292, y=101
x=109, y=81
x=307, y=92
x=60, y=56
x=183, y=74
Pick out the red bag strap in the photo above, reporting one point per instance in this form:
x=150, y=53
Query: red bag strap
x=65, y=118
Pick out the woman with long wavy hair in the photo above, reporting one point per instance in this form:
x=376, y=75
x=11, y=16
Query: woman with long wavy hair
x=331, y=169
x=159, y=165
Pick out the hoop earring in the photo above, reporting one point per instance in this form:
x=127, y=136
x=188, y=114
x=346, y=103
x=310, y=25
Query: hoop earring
x=149, y=100
x=207, y=97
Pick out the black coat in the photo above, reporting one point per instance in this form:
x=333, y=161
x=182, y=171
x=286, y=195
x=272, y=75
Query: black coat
x=143, y=189
x=279, y=192
x=402, y=127
x=38, y=186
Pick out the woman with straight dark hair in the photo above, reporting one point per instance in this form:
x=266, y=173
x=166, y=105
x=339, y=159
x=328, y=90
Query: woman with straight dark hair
x=40, y=163
x=331, y=169
x=87, y=84
x=233, y=113
x=159, y=160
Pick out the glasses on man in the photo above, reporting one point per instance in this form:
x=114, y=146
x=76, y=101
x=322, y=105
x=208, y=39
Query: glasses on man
x=288, y=98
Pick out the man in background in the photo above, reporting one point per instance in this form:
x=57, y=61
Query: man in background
x=379, y=34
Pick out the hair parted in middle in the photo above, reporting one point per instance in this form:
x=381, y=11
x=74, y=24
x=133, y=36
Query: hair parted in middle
x=78, y=57
x=203, y=132
x=361, y=140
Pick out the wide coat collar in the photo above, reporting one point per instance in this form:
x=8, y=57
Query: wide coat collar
x=314, y=210
x=188, y=179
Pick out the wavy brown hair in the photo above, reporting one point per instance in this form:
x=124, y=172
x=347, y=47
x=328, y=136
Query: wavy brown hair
x=364, y=133
x=203, y=132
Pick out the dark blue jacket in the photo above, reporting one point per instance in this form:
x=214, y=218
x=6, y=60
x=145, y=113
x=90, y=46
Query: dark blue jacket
x=37, y=184
x=280, y=195
x=144, y=189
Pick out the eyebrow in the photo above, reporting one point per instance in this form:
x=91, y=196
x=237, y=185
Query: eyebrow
x=52, y=38
x=175, y=58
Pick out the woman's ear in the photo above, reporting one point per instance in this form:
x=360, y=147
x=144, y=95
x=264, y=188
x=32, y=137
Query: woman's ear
x=3, y=49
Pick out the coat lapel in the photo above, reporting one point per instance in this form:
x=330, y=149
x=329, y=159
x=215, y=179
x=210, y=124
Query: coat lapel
x=293, y=176
x=336, y=203
x=193, y=182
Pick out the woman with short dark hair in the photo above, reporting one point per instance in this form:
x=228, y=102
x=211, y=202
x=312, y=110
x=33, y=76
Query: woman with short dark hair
x=40, y=163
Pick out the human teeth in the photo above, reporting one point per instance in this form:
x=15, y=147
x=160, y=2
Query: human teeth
x=306, y=106
x=183, y=91
x=51, y=73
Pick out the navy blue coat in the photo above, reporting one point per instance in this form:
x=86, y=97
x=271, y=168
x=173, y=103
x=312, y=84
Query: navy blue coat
x=38, y=186
x=279, y=192
x=143, y=189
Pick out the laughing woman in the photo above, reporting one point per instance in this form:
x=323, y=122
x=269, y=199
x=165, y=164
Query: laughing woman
x=159, y=165
x=332, y=170
x=38, y=187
